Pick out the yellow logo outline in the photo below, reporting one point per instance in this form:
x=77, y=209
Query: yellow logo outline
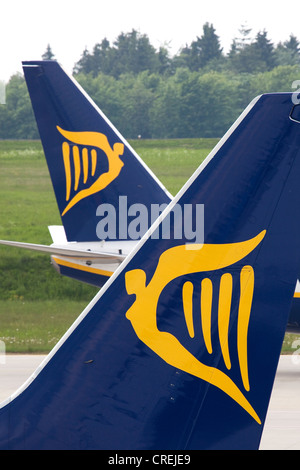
x=178, y=261
x=95, y=140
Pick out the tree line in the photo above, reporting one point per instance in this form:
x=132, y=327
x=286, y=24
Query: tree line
x=133, y=53
x=147, y=93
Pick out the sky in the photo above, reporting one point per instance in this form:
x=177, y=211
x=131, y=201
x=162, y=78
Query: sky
x=70, y=26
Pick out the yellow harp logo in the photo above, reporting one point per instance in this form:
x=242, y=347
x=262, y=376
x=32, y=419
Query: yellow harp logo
x=188, y=259
x=82, y=163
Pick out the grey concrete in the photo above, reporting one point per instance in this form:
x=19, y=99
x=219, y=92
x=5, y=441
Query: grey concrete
x=282, y=427
x=15, y=369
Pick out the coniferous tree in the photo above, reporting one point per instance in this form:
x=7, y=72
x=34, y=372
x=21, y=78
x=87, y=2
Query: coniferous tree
x=288, y=53
x=209, y=45
x=244, y=38
x=133, y=53
x=264, y=51
x=85, y=63
x=48, y=54
x=252, y=57
x=164, y=61
x=205, y=49
x=130, y=53
x=237, y=57
x=146, y=92
x=101, y=58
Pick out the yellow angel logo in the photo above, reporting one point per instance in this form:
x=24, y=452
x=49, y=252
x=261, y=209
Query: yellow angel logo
x=82, y=166
x=188, y=259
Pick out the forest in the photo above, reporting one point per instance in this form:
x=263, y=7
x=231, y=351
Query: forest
x=147, y=93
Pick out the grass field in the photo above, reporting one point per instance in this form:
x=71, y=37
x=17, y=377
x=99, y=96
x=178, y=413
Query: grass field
x=36, y=304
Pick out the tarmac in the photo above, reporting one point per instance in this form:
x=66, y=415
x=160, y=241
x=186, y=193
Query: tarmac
x=282, y=426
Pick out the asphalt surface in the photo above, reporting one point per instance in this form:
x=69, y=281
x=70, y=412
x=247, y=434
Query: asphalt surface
x=282, y=427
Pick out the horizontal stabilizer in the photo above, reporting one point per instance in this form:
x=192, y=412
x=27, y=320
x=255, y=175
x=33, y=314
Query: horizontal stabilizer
x=67, y=252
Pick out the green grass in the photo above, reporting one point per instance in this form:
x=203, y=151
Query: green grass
x=37, y=305
x=35, y=327
x=174, y=161
x=27, y=201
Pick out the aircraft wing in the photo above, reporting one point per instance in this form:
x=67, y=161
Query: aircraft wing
x=69, y=252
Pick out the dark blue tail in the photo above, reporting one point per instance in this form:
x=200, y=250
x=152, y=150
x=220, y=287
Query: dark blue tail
x=179, y=349
x=90, y=163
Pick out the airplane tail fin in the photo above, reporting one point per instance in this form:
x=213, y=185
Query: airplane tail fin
x=180, y=348
x=90, y=163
